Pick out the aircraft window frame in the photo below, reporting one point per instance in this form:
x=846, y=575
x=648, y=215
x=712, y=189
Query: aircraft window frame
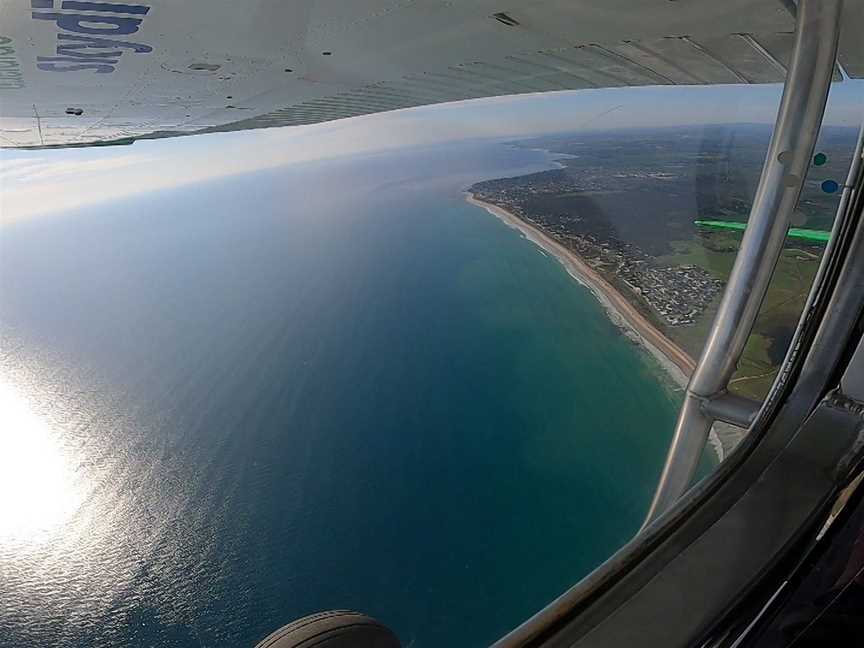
x=805, y=376
x=810, y=373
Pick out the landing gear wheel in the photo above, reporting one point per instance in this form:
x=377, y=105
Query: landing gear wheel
x=334, y=629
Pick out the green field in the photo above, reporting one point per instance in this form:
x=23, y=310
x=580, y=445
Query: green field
x=787, y=293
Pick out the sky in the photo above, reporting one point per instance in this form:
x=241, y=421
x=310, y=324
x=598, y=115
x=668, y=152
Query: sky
x=34, y=183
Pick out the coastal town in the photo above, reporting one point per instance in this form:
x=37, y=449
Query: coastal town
x=677, y=294
x=620, y=212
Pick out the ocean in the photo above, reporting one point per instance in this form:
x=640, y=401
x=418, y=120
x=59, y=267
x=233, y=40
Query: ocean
x=330, y=385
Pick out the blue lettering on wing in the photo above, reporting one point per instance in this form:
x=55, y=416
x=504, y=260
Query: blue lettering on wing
x=107, y=43
x=70, y=50
x=73, y=59
x=98, y=68
x=94, y=27
x=105, y=6
x=87, y=24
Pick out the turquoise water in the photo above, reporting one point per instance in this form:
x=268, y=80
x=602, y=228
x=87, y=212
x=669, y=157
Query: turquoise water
x=335, y=386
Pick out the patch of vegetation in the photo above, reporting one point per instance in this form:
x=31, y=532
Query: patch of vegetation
x=778, y=315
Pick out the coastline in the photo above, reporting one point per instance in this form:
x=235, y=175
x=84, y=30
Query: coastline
x=676, y=363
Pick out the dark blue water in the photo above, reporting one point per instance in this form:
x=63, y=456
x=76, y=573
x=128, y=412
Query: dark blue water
x=329, y=386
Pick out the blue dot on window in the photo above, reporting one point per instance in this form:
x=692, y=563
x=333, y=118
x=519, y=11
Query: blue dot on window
x=830, y=186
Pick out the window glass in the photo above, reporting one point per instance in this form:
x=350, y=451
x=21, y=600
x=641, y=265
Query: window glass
x=796, y=268
x=423, y=363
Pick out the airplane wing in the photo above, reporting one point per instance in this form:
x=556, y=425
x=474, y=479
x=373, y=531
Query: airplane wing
x=79, y=73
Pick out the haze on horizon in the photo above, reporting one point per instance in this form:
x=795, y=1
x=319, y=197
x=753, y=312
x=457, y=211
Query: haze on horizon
x=52, y=181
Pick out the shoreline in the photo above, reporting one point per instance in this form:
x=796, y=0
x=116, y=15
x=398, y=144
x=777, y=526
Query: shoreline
x=676, y=363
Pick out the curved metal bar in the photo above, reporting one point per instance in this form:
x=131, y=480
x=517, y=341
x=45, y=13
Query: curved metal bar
x=805, y=93
x=809, y=312
x=648, y=554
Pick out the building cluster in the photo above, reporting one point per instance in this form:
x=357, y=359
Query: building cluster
x=677, y=294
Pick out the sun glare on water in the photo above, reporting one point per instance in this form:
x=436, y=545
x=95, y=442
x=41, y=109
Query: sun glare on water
x=37, y=486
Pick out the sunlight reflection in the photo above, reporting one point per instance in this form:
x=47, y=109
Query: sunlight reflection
x=37, y=487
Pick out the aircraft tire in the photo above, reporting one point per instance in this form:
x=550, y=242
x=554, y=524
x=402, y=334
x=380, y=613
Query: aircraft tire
x=333, y=629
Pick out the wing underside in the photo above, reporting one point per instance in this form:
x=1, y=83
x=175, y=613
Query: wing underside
x=76, y=73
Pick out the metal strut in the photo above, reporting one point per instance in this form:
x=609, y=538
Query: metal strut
x=817, y=27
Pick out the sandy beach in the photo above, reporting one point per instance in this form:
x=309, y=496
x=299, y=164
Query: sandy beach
x=676, y=362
